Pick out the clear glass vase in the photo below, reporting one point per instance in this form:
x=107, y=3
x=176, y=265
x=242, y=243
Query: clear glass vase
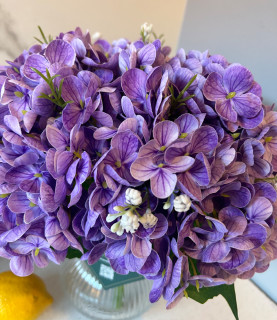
x=89, y=297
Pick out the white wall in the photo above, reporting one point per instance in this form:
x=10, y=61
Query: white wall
x=243, y=31
x=113, y=18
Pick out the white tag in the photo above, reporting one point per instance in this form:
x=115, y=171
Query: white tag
x=106, y=272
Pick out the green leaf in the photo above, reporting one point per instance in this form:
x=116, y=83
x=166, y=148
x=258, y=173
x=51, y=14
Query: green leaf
x=186, y=87
x=41, y=42
x=40, y=74
x=73, y=253
x=206, y=293
x=42, y=34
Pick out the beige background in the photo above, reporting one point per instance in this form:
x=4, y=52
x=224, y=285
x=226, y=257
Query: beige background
x=113, y=18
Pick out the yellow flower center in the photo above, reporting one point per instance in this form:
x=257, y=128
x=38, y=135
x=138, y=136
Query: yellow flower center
x=230, y=95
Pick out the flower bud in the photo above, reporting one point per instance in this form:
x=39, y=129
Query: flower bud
x=166, y=205
x=118, y=208
x=112, y=217
x=133, y=197
x=148, y=220
x=182, y=203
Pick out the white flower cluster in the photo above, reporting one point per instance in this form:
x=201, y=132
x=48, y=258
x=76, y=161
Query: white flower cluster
x=146, y=30
x=129, y=221
x=96, y=36
x=182, y=203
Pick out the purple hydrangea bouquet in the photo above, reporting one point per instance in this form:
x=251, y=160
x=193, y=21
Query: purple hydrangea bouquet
x=165, y=165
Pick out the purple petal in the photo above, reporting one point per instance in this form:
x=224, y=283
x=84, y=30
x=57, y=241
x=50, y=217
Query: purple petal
x=141, y=248
x=237, y=79
x=204, y=140
x=160, y=228
x=133, y=263
x=41, y=106
x=33, y=214
x=116, y=249
x=187, y=123
x=61, y=52
x=15, y=233
x=259, y=210
x=41, y=260
x=225, y=109
x=56, y=137
x=239, y=198
x=76, y=194
x=79, y=47
x=58, y=242
x=60, y=190
x=72, y=115
x=104, y=133
x=163, y=183
x=234, y=220
x=19, y=174
x=31, y=185
x=251, y=123
x=152, y=264
x=18, y=202
x=264, y=189
x=147, y=55
x=126, y=143
x=127, y=107
x=200, y=171
x=143, y=169
x=38, y=62
x=63, y=161
x=166, y=132
x=134, y=85
x=22, y=266
x=179, y=164
x=181, y=78
x=247, y=105
x=96, y=253
x=253, y=237
x=12, y=123
x=215, y=252
x=237, y=258
x=189, y=186
x=213, y=88
x=47, y=198
x=73, y=89
x=119, y=265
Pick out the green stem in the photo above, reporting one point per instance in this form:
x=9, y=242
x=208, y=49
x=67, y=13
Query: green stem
x=119, y=297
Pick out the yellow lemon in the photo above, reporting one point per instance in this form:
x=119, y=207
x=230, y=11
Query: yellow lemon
x=22, y=298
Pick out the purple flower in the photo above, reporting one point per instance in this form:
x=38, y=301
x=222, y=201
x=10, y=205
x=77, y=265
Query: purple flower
x=233, y=98
x=81, y=106
x=58, y=53
x=28, y=178
x=32, y=250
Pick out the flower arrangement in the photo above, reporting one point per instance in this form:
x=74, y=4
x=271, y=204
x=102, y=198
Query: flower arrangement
x=164, y=164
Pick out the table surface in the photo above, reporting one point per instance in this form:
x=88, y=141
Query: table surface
x=252, y=303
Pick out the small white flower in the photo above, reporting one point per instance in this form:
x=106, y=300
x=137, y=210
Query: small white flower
x=133, y=197
x=146, y=28
x=148, y=220
x=96, y=36
x=129, y=222
x=182, y=203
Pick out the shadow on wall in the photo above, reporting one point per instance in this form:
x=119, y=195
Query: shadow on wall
x=10, y=44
